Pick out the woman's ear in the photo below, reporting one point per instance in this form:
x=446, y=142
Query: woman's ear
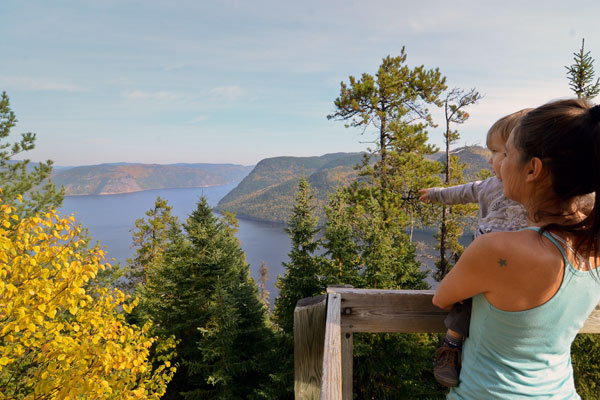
x=535, y=170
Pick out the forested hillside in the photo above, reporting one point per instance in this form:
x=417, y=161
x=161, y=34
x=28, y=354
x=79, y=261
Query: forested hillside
x=126, y=178
x=267, y=193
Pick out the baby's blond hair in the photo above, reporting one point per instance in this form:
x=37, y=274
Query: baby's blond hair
x=505, y=125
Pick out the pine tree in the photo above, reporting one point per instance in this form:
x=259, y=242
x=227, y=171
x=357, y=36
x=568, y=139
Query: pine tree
x=19, y=178
x=151, y=237
x=302, y=279
x=202, y=294
x=302, y=273
x=397, y=96
x=384, y=202
x=395, y=103
x=342, y=260
x=581, y=75
x=379, y=212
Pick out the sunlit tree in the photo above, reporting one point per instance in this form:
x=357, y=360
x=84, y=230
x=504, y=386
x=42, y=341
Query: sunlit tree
x=57, y=339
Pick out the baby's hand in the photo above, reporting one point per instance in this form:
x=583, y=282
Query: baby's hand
x=423, y=195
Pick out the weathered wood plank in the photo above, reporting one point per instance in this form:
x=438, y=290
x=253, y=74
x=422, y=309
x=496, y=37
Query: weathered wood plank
x=369, y=310
x=373, y=310
x=347, y=364
x=309, y=338
x=331, y=385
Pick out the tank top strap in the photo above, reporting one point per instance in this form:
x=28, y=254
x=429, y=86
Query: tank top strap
x=552, y=239
x=561, y=244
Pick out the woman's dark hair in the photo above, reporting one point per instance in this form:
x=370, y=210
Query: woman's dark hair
x=565, y=135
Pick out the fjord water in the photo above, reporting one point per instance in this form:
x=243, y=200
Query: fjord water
x=110, y=220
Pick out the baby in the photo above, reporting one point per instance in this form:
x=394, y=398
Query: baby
x=497, y=213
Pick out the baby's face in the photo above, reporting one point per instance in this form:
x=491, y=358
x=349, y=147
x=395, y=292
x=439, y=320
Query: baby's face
x=496, y=146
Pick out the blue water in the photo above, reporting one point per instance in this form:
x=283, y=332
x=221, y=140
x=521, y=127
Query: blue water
x=110, y=220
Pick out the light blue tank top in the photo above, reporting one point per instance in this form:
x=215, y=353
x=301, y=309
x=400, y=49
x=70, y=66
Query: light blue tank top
x=526, y=354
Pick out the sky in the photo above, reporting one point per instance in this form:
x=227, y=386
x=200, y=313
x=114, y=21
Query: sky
x=237, y=81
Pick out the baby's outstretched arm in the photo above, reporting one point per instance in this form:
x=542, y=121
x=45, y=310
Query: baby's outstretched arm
x=460, y=194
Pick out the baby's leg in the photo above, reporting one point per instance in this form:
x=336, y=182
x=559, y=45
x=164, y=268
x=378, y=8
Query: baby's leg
x=447, y=359
x=459, y=319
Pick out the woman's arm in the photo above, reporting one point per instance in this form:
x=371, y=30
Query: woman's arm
x=477, y=271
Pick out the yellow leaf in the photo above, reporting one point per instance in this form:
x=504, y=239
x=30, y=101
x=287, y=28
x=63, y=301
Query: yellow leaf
x=73, y=310
x=5, y=360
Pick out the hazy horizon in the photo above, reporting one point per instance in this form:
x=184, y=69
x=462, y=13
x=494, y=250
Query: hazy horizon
x=237, y=82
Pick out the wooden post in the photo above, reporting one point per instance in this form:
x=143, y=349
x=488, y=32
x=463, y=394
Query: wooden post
x=347, y=365
x=331, y=385
x=347, y=351
x=309, y=337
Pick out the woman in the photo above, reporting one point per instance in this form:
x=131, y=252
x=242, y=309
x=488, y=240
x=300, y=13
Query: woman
x=533, y=289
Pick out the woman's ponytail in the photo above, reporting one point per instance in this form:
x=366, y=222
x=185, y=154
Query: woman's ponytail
x=592, y=238
x=565, y=135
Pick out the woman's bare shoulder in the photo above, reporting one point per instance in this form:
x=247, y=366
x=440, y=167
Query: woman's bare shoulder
x=501, y=251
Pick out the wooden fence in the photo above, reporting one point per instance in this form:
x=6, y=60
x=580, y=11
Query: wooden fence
x=323, y=328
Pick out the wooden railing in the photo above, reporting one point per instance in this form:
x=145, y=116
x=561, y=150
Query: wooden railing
x=324, y=325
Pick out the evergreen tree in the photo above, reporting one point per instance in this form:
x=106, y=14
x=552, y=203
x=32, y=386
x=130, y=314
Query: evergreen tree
x=201, y=293
x=384, y=203
x=454, y=219
x=380, y=211
x=151, y=237
x=342, y=261
x=396, y=97
x=581, y=75
x=302, y=273
x=302, y=279
x=395, y=103
x=18, y=178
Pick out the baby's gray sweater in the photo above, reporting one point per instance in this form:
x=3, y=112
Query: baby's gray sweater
x=496, y=212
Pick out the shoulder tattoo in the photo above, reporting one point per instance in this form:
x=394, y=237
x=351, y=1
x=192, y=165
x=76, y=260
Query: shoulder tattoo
x=502, y=262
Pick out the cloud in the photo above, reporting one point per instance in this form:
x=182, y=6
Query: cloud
x=29, y=83
x=174, y=67
x=198, y=119
x=119, y=81
x=159, y=96
x=228, y=93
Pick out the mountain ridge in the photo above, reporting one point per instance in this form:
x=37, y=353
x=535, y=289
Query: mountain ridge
x=117, y=178
x=267, y=193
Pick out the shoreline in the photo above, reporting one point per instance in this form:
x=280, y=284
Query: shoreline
x=145, y=190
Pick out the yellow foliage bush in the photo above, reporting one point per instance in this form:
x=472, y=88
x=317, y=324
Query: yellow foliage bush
x=57, y=339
